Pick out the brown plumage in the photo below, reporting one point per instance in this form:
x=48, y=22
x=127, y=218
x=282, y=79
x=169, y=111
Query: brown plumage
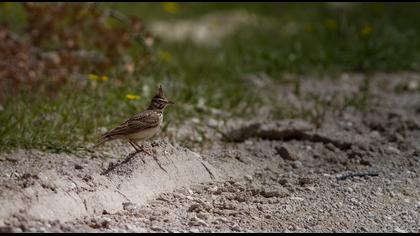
x=140, y=126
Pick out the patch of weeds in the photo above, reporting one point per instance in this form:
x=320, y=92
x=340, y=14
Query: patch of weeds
x=361, y=101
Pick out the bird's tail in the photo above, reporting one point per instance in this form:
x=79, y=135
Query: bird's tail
x=104, y=138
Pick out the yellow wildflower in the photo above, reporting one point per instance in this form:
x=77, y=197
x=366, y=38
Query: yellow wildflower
x=366, y=30
x=93, y=77
x=132, y=97
x=104, y=78
x=170, y=7
x=331, y=24
x=165, y=56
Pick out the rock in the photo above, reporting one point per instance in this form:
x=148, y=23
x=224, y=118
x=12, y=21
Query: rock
x=129, y=227
x=72, y=186
x=195, y=221
x=286, y=153
x=206, y=205
x=87, y=178
x=12, y=158
x=304, y=181
x=249, y=142
x=203, y=216
x=214, y=190
x=392, y=194
x=130, y=207
x=331, y=147
x=278, y=192
x=194, y=207
x=413, y=85
x=106, y=223
x=393, y=150
x=354, y=201
x=297, y=164
x=365, y=162
x=10, y=229
x=195, y=120
x=32, y=230
x=310, y=188
x=236, y=228
x=282, y=181
x=398, y=230
x=78, y=167
x=297, y=199
x=225, y=205
x=155, y=228
x=194, y=230
x=212, y=122
x=220, y=219
x=248, y=177
x=240, y=198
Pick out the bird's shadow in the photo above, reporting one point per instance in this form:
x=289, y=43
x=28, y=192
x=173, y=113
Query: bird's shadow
x=112, y=165
x=129, y=157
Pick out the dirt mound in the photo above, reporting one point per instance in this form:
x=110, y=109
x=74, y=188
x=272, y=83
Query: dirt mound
x=84, y=187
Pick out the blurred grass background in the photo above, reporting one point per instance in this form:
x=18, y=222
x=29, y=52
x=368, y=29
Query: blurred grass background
x=314, y=39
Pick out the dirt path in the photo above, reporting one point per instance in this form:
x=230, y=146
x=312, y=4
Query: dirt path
x=357, y=172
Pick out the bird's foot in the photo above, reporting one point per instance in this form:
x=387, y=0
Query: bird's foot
x=146, y=151
x=139, y=148
x=142, y=149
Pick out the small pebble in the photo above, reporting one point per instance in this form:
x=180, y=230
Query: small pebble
x=156, y=228
x=393, y=150
x=78, y=167
x=212, y=122
x=398, y=230
x=194, y=230
x=236, y=228
x=297, y=164
x=248, y=177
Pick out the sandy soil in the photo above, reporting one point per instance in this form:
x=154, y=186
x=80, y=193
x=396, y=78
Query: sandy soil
x=356, y=172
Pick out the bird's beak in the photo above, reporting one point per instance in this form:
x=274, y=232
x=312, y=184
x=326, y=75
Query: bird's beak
x=170, y=102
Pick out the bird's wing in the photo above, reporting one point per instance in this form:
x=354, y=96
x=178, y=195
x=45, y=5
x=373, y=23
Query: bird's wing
x=141, y=121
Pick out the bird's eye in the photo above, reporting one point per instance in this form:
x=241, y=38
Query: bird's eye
x=160, y=104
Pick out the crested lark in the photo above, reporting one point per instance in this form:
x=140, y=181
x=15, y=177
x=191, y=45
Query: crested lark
x=140, y=126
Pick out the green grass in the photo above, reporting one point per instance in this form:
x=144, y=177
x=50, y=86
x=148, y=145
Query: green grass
x=327, y=41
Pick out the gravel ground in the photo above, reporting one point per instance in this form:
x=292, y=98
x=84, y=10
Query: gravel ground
x=358, y=172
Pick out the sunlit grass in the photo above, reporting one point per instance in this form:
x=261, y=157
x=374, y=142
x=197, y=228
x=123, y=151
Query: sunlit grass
x=301, y=39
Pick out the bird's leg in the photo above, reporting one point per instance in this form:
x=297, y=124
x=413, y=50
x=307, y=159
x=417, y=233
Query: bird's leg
x=137, y=149
x=142, y=149
x=134, y=146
